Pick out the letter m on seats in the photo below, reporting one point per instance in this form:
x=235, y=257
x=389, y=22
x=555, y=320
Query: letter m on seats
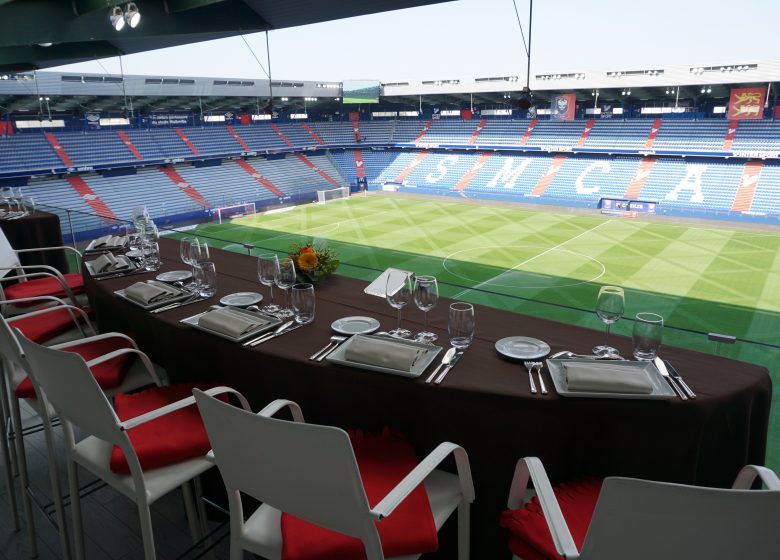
x=508, y=174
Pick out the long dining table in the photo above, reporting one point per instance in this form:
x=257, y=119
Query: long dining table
x=484, y=404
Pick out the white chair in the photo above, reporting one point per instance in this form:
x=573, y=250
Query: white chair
x=645, y=520
x=34, y=280
x=310, y=472
x=63, y=381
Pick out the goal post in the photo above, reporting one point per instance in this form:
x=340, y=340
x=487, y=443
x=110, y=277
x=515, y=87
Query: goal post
x=233, y=211
x=332, y=194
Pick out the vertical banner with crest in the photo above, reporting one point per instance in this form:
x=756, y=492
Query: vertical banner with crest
x=92, y=120
x=562, y=107
x=606, y=111
x=746, y=103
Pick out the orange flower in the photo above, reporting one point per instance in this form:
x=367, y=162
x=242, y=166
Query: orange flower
x=306, y=249
x=307, y=260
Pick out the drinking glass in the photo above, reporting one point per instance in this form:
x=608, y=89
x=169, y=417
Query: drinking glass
x=303, y=303
x=267, y=271
x=140, y=214
x=398, y=293
x=426, y=296
x=648, y=332
x=152, y=256
x=609, y=307
x=461, y=324
x=285, y=280
x=184, y=249
x=206, y=278
x=199, y=252
x=133, y=239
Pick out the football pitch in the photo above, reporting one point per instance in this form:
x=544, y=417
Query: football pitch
x=702, y=279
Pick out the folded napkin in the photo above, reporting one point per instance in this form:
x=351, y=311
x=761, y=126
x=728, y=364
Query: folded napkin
x=147, y=294
x=230, y=323
x=606, y=378
x=109, y=241
x=108, y=263
x=381, y=352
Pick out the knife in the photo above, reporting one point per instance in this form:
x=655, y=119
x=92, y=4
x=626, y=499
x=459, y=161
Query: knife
x=659, y=363
x=444, y=361
x=677, y=377
x=279, y=330
x=289, y=326
x=453, y=361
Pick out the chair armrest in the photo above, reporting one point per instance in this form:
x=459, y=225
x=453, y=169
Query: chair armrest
x=88, y=339
x=275, y=406
x=748, y=475
x=53, y=248
x=417, y=475
x=178, y=405
x=121, y=352
x=32, y=298
x=71, y=309
x=51, y=271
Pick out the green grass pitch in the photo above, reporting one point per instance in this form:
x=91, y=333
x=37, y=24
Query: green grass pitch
x=552, y=264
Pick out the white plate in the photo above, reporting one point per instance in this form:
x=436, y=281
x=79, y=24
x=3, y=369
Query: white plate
x=522, y=348
x=184, y=295
x=355, y=325
x=272, y=323
x=337, y=357
x=131, y=267
x=241, y=299
x=661, y=389
x=174, y=276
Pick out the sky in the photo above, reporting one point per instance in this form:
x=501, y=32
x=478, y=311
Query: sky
x=476, y=38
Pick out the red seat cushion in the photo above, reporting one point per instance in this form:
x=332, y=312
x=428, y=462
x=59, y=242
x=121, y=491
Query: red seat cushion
x=42, y=328
x=531, y=539
x=47, y=286
x=383, y=462
x=170, y=439
x=109, y=374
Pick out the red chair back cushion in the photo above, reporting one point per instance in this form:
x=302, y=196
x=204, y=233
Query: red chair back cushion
x=47, y=286
x=109, y=375
x=170, y=439
x=531, y=539
x=383, y=462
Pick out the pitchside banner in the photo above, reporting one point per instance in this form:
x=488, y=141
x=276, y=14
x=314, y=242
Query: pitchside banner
x=562, y=107
x=746, y=103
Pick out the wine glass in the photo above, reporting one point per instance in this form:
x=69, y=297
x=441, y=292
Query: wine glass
x=284, y=280
x=609, y=307
x=426, y=296
x=267, y=271
x=398, y=293
x=199, y=252
x=461, y=324
x=184, y=249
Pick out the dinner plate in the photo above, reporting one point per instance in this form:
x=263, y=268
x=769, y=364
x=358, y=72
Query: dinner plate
x=270, y=324
x=661, y=389
x=522, y=348
x=355, y=325
x=174, y=276
x=338, y=357
x=241, y=299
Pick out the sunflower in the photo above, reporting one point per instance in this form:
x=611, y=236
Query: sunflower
x=307, y=260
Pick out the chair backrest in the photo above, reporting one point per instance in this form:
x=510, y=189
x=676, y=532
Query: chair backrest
x=8, y=257
x=9, y=345
x=306, y=470
x=645, y=520
x=71, y=389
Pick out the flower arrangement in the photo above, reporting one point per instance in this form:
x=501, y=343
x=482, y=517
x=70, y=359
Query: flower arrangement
x=313, y=263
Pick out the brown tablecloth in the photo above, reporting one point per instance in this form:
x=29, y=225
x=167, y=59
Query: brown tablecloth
x=39, y=229
x=484, y=404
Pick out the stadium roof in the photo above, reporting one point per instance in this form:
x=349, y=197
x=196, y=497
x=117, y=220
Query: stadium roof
x=47, y=33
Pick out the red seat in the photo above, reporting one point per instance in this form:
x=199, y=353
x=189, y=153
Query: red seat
x=109, y=375
x=48, y=286
x=531, y=539
x=170, y=439
x=383, y=462
x=42, y=328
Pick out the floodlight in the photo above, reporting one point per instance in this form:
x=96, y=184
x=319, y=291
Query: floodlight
x=117, y=18
x=132, y=15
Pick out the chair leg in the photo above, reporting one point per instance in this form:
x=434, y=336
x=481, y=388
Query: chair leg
x=147, y=532
x=75, y=507
x=8, y=469
x=200, y=507
x=189, y=508
x=16, y=419
x=56, y=491
x=6, y=410
x=464, y=530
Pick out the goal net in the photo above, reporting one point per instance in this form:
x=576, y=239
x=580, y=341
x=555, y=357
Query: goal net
x=233, y=211
x=332, y=194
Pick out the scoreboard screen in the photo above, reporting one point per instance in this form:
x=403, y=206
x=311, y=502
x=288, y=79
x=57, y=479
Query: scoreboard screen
x=619, y=205
x=363, y=91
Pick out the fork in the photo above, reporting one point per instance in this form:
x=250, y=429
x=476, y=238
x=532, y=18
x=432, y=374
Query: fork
x=334, y=340
x=539, y=366
x=530, y=367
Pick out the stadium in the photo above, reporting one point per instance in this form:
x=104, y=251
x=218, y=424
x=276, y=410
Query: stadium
x=523, y=195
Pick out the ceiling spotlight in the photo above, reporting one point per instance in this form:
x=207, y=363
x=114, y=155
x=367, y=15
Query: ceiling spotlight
x=628, y=92
x=117, y=18
x=44, y=44
x=703, y=90
x=132, y=15
x=709, y=90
